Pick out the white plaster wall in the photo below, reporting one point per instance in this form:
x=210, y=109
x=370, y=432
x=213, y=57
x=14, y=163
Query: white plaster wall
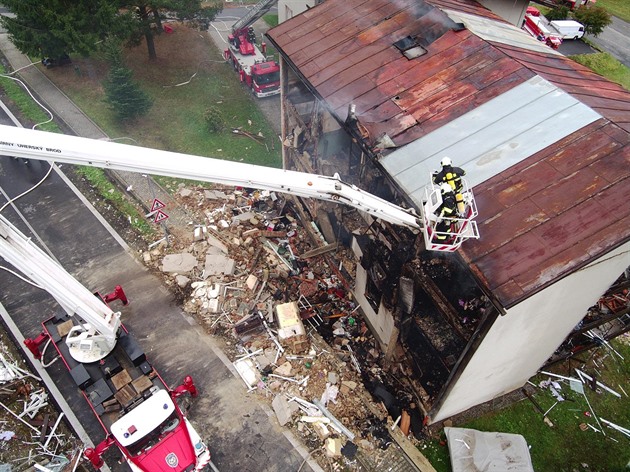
x=520, y=342
x=287, y=9
x=509, y=10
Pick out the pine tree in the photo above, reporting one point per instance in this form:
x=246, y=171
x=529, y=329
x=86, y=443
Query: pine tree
x=54, y=28
x=124, y=96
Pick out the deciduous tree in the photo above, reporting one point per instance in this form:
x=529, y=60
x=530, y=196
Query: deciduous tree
x=594, y=18
x=558, y=13
x=52, y=28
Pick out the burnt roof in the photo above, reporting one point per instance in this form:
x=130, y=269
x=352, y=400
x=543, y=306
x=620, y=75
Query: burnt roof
x=553, y=212
x=550, y=196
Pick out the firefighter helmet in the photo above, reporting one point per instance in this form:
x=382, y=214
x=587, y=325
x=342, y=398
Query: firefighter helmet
x=446, y=161
x=445, y=188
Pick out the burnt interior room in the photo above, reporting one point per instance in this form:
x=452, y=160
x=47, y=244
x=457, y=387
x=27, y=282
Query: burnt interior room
x=437, y=303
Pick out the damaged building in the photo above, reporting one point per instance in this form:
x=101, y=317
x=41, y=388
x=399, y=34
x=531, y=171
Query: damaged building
x=379, y=92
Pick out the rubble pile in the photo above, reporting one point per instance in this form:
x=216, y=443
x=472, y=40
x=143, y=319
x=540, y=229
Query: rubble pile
x=252, y=276
x=32, y=432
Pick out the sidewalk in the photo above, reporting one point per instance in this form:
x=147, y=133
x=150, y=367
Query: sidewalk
x=142, y=188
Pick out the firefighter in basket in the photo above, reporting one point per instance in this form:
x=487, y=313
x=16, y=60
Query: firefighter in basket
x=446, y=213
x=453, y=177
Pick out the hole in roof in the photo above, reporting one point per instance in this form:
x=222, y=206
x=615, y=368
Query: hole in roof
x=406, y=43
x=410, y=47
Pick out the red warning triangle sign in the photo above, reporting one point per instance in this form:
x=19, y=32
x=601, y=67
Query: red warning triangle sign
x=156, y=205
x=160, y=216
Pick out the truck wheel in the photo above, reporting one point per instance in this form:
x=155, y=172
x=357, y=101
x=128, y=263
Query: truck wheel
x=575, y=38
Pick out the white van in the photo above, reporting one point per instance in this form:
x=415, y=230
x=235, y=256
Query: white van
x=568, y=29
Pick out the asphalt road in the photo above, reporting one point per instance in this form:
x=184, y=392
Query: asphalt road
x=615, y=39
x=241, y=432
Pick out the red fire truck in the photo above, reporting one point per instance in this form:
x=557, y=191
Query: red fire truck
x=139, y=413
x=260, y=74
x=535, y=26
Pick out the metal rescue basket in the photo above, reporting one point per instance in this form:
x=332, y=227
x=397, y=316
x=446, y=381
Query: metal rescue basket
x=460, y=227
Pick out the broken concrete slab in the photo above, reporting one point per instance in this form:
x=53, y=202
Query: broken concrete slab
x=218, y=264
x=284, y=369
x=181, y=263
x=251, y=282
x=200, y=232
x=284, y=409
x=289, y=321
x=213, y=305
x=214, y=195
x=182, y=280
x=248, y=215
x=333, y=447
x=216, y=243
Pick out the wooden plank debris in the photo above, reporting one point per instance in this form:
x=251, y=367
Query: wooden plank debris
x=319, y=251
x=44, y=428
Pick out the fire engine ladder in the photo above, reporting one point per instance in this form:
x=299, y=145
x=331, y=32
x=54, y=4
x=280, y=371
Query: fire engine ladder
x=254, y=14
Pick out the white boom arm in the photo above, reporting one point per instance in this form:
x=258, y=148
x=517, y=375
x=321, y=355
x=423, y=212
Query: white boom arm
x=87, y=343
x=30, y=144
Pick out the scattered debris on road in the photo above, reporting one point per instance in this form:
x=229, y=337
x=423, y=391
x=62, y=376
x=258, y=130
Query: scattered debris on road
x=254, y=277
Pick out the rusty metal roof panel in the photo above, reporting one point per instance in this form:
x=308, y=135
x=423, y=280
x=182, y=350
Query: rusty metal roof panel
x=607, y=98
x=346, y=52
x=524, y=121
x=468, y=7
x=579, y=186
x=491, y=138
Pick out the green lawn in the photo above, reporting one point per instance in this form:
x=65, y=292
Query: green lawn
x=603, y=63
x=189, y=76
x=618, y=8
x=607, y=66
x=29, y=110
x=31, y=114
x=564, y=447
